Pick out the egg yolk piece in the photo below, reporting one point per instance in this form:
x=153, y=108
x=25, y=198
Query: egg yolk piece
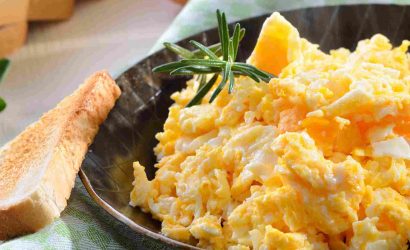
x=278, y=45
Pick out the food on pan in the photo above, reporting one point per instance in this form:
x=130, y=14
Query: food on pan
x=317, y=158
x=38, y=168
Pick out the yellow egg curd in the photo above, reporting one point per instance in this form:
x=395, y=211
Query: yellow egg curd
x=317, y=158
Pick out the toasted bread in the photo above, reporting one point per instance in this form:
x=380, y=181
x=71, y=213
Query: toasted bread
x=38, y=168
x=12, y=37
x=50, y=9
x=13, y=11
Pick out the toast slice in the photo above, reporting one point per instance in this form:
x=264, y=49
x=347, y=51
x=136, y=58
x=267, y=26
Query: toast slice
x=50, y=9
x=12, y=37
x=38, y=168
x=13, y=11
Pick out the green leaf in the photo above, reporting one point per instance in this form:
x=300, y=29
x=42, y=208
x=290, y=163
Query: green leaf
x=219, y=18
x=235, y=40
x=230, y=51
x=4, y=64
x=202, y=81
x=194, y=70
x=218, y=52
x=246, y=72
x=3, y=104
x=168, y=67
x=215, y=48
x=261, y=74
x=205, y=50
x=223, y=33
x=231, y=81
x=203, y=62
x=242, y=34
x=225, y=38
x=256, y=70
x=225, y=74
x=251, y=75
x=182, y=52
x=203, y=91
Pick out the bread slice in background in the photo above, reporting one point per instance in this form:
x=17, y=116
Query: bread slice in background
x=13, y=25
x=12, y=37
x=50, y=9
x=38, y=168
x=13, y=11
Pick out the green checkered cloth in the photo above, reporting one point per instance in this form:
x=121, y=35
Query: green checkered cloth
x=83, y=224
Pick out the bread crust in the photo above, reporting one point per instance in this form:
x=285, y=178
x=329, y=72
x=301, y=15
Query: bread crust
x=12, y=37
x=55, y=147
x=50, y=9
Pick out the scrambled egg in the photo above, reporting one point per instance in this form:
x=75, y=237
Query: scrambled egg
x=317, y=158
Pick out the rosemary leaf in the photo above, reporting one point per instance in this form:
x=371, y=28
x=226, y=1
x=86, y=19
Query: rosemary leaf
x=167, y=67
x=231, y=82
x=202, y=81
x=202, y=91
x=205, y=50
x=202, y=62
x=182, y=52
x=235, y=40
x=225, y=74
x=194, y=70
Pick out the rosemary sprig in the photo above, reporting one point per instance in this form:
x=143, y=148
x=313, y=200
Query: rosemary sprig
x=215, y=59
x=4, y=63
x=198, y=54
